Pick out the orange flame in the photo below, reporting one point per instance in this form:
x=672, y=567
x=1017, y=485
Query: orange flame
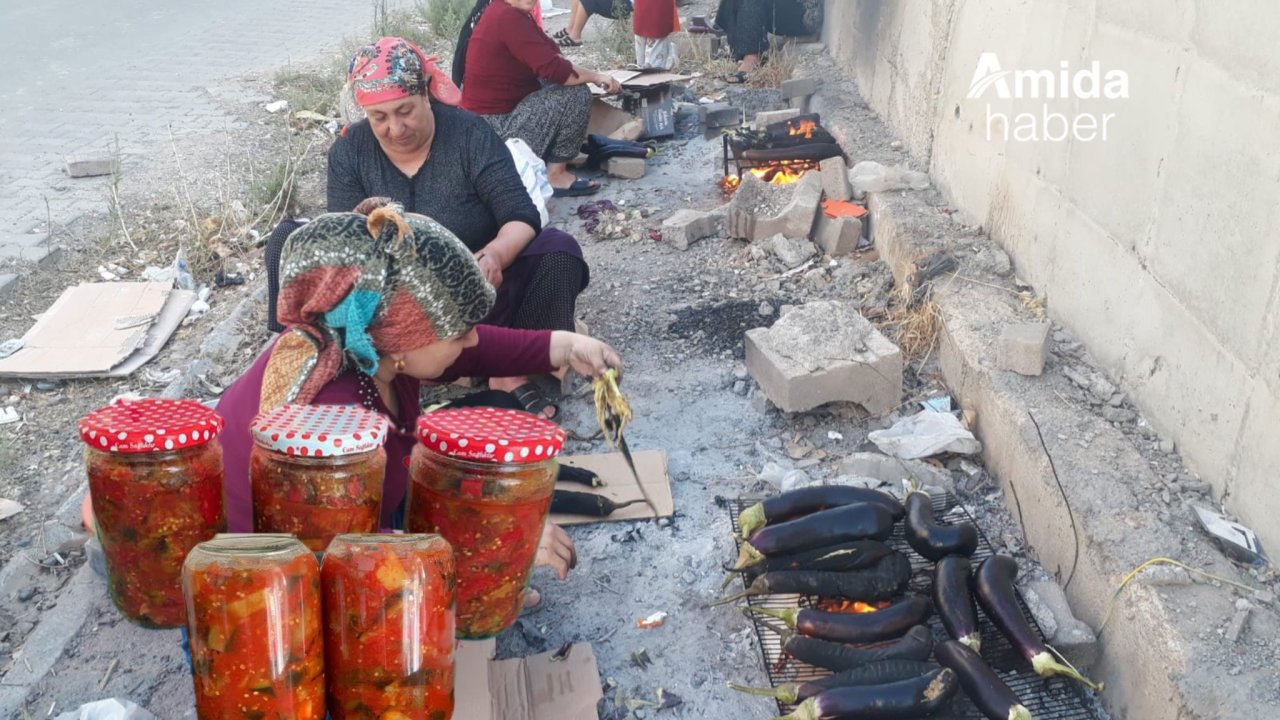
x=774, y=174
x=852, y=607
x=804, y=127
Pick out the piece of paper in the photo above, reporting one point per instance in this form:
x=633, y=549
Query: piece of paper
x=532, y=688
x=100, y=330
x=620, y=485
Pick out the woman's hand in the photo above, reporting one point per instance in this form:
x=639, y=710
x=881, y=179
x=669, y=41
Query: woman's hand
x=491, y=268
x=609, y=83
x=586, y=355
x=556, y=551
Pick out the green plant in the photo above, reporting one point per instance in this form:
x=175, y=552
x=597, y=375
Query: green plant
x=620, y=37
x=310, y=90
x=445, y=17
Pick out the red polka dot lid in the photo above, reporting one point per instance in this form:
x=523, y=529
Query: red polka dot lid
x=319, y=430
x=150, y=425
x=495, y=435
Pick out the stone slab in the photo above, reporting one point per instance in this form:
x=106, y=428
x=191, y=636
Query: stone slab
x=688, y=226
x=1024, y=348
x=835, y=179
x=625, y=167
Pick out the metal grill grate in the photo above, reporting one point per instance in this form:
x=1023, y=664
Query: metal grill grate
x=1047, y=699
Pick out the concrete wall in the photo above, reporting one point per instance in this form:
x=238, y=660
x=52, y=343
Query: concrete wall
x=1158, y=246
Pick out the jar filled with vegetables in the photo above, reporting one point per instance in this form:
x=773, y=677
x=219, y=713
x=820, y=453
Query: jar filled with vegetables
x=389, y=627
x=317, y=471
x=155, y=482
x=253, y=616
x=483, y=478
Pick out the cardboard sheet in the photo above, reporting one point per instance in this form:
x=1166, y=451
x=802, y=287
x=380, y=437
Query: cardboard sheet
x=620, y=486
x=100, y=330
x=532, y=688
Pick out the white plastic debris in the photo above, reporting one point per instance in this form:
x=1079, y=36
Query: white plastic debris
x=277, y=106
x=833, y=435
x=9, y=508
x=925, y=434
x=9, y=415
x=110, y=709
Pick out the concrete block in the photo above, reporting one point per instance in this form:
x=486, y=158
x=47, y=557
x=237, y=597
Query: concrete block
x=795, y=220
x=625, y=167
x=689, y=226
x=1070, y=636
x=835, y=179
x=720, y=115
x=825, y=352
x=792, y=252
x=1024, y=348
x=90, y=165
x=798, y=88
x=764, y=119
x=838, y=236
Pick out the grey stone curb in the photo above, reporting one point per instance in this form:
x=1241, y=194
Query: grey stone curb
x=46, y=643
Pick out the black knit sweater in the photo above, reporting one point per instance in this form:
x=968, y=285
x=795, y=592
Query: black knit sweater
x=468, y=184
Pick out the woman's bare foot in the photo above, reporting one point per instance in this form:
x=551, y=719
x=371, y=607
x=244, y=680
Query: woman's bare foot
x=749, y=63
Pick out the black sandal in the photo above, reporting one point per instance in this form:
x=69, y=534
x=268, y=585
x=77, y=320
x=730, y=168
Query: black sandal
x=738, y=78
x=560, y=34
x=568, y=42
x=532, y=399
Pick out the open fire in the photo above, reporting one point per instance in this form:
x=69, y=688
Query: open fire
x=779, y=173
x=852, y=607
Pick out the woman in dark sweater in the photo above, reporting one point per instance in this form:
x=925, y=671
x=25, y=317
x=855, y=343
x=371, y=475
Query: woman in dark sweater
x=514, y=76
x=414, y=148
x=748, y=23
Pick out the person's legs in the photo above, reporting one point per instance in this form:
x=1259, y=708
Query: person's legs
x=578, y=16
x=553, y=121
x=275, y=244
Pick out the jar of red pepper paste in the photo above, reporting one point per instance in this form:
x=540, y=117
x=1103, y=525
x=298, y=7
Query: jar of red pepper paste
x=389, y=627
x=483, y=478
x=316, y=471
x=254, y=618
x=155, y=479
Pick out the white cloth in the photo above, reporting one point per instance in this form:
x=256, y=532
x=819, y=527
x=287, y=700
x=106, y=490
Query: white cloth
x=533, y=173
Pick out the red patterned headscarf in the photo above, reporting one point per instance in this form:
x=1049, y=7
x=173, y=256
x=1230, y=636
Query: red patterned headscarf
x=394, y=68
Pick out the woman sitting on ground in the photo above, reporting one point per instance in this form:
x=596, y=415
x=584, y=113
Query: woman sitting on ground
x=377, y=306
x=514, y=76
x=747, y=24
x=418, y=150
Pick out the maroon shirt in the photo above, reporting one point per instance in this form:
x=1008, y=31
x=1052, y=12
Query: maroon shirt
x=501, y=352
x=507, y=56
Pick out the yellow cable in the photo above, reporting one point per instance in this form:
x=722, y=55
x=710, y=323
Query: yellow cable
x=1111, y=606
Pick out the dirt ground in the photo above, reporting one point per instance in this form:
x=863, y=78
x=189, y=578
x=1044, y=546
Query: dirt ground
x=677, y=317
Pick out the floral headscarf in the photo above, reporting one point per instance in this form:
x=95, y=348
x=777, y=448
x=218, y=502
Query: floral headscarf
x=393, y=68
x=354, y=288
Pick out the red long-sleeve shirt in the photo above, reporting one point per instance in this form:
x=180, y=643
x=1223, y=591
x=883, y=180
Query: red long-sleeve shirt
x=506, y=58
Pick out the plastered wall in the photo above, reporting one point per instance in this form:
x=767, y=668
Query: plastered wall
x=1158, y=245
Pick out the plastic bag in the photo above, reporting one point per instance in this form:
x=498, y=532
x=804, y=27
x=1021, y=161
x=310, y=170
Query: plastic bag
x=110, y=709
x=655, y=53
x=925, y=434
x=533, y=173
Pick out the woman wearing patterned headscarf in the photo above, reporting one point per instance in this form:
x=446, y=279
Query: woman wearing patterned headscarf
x=376, y=306
x=419, y=150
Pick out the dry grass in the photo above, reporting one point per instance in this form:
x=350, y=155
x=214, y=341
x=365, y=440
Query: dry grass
x=619, y=38
x=915, y=329
x=779, y=67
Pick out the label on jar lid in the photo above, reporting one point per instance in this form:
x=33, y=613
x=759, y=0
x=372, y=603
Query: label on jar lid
x=150, y=425
x=495, y=435
x=319, y=430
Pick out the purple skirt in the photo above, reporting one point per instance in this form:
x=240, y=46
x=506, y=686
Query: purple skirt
x=517, y=277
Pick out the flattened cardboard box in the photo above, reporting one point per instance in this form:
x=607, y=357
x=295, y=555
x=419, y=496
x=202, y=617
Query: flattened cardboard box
x=532, y=688
x=620, y=485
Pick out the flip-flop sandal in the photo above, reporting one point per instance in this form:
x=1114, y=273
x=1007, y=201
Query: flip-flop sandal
x=532, y=399
x=581, y=187
x=560, y=33
x=568, y=42
x=737, y=78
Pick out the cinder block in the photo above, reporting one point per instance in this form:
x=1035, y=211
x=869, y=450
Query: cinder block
x=798, y=88
x=1024, y=348
x=835, y=179
x=838, y=236
x=625, y=167
x=764, y=119
x=825, y=352
x=1068, y=635
x=689, y=226
x=795, y=220
x=720, y=115
x=79, y=166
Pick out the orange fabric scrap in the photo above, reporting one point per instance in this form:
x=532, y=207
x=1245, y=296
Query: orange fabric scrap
x=842, y=208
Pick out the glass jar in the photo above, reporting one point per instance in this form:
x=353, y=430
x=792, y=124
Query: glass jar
x=316, y=471
x=389, y=627
x=482, y=478
x=253, y=616
x=155, y=483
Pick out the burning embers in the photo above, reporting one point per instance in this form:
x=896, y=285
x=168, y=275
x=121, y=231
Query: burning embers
x=856, y=607
x=780, y=154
